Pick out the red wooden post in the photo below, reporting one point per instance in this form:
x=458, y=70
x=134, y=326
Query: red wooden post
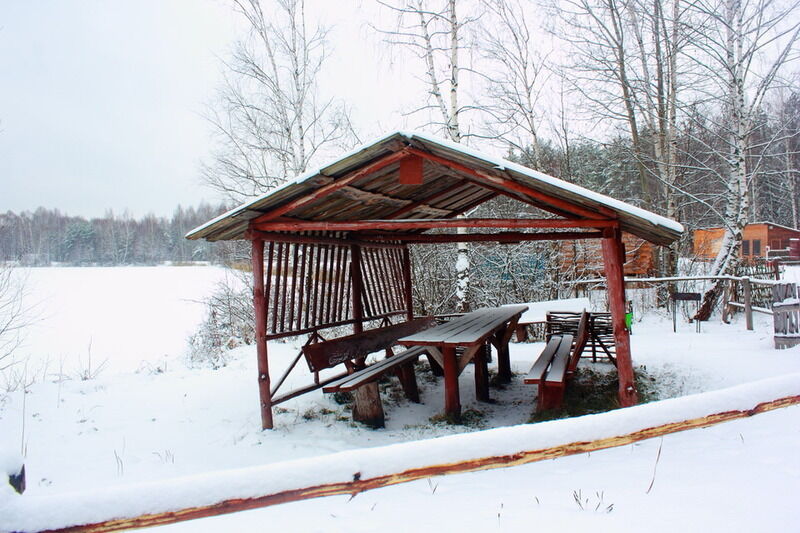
x=407, y=294
x=613, y=262
x=259, y=304
x=452, y=402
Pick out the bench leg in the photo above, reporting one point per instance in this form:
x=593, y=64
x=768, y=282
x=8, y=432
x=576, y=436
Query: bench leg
x=521, y=332
x=452, y=402
x=549, y=397
x=482, y=374
x=368, y=408
x=503, y=361
x=408, y=379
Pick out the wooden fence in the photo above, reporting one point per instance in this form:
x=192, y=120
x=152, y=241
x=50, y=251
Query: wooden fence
x=749, y=295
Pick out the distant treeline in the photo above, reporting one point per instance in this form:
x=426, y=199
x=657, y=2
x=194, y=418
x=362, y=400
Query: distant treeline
x=47, y=236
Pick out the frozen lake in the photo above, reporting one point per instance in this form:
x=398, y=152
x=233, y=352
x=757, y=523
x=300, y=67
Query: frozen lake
x=121, y=316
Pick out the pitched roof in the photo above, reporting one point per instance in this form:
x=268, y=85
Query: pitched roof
x=456, y=178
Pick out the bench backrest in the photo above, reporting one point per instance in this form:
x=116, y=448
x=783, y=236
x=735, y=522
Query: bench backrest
x=581, y=338
x=327, y=354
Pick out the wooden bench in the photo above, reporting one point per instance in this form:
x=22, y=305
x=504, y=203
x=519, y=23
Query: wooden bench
x=557, y=364
x=362, y=379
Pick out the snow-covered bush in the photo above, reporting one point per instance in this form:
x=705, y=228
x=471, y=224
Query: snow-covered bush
x=229, y=322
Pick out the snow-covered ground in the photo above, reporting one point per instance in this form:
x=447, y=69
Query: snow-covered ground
x=124, y=427
x=112, y=318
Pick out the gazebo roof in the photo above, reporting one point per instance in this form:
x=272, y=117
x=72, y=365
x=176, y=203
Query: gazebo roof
x=371, y=183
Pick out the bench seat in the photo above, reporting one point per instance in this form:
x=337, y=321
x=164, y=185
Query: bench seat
x=549, y=372
x=352, y=351
x=375, y=371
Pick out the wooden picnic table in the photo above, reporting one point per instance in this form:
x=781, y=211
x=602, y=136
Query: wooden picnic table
x=472, y=332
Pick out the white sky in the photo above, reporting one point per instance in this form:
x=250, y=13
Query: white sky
x=101, y=102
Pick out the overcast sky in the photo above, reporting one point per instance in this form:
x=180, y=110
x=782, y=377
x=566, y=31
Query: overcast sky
x=101, y=102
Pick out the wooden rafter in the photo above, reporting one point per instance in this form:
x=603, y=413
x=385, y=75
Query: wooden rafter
x=503, y=237
x=433, y=197
x=430, y=223
x=333, y=186
x=514, y=186
x=505, y=192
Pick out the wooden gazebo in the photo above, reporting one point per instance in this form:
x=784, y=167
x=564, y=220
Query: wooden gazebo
x=330, y=248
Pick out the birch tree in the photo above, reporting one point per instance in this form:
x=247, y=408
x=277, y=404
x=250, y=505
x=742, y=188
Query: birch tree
x=271, y=121
x=736, y=42
x=628, y=65
x=516, y=76
x=433, y=31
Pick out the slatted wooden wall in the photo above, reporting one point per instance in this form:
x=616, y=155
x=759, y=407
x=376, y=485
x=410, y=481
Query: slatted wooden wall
x=308, y=286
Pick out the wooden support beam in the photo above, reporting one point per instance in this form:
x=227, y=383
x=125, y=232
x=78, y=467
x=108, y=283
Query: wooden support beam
x=613, y=261
x=313, y=239
x=508, y=237
x=516, y=187
x=260, y=308
x=431, y=223
x=333, y=186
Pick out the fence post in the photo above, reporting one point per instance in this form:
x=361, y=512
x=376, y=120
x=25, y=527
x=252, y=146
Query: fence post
x=748, y=303
x=726, y=297
x=786, y=315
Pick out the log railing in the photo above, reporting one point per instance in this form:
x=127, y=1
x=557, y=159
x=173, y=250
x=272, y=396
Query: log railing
x=170, y=501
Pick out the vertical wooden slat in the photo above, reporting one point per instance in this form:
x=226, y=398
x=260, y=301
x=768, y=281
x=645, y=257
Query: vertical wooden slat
x=348, y=288
x=322, y=282
x=373, y=283
x=337, y=281
x=309, y=285
x=260, y=308
x=366, y=297
x=315, y=283
x=344, y=304
x=277, y=285
x=286, y=253
x=407, y=292
x=395, y=264
x=268, y=281
x=293, y=291
x=302, y=288
x=357, y=287
x=389, y=280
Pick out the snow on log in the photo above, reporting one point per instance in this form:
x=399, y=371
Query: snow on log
x=155, y=503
